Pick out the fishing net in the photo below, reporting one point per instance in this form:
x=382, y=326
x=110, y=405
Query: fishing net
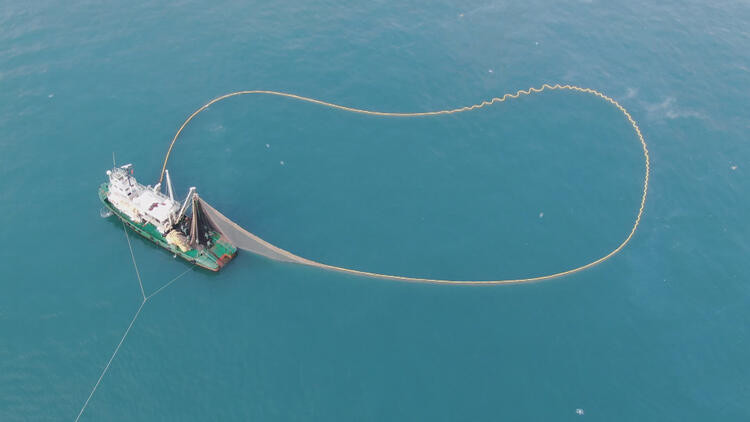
x=245, y=240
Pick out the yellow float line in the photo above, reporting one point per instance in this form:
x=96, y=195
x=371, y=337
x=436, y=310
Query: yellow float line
x=443, y=112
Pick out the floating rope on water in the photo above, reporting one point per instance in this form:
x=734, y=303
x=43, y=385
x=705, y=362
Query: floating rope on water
x=262, y=247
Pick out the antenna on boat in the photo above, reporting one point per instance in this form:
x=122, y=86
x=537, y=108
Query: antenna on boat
x=114, y=163
x=169, y=185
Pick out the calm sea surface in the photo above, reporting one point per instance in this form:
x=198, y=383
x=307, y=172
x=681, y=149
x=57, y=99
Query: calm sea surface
x=532, y=186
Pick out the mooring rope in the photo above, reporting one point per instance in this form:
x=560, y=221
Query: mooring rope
x=132, y=321
x=135, y=264
x=445, y=112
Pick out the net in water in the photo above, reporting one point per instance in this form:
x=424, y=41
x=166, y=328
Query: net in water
x=245, y=240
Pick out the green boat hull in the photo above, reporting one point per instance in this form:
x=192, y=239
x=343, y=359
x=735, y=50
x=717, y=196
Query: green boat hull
x=213, y=258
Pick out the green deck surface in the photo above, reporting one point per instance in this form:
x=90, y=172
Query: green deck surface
x=207, y=258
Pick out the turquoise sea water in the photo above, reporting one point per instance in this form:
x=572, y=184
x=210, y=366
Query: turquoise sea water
x=536, y=185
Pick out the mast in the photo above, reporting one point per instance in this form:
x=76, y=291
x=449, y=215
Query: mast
x=194, y=225
x=169, y=185
x=185, y=204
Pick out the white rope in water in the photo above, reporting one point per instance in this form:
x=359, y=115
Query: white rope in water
x=135, y=317
x=132, y=255
x=170, y=282
x=106, y=368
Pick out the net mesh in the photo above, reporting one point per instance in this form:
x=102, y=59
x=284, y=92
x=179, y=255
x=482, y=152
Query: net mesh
x=245, y=240
x=250, y=242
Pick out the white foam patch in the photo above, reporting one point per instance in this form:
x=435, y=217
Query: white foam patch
x=668, y=109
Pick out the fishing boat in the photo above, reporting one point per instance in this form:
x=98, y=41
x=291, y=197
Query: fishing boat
x=165, y=221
